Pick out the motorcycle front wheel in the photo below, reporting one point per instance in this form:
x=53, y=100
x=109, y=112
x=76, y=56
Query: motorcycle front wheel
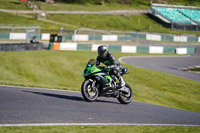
x=88, y=92
x=126, y=98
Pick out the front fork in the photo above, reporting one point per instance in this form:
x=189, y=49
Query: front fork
x=92, y=84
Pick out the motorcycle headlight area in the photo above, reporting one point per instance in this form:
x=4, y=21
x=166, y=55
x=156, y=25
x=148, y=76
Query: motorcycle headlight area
x=90, y=71
x=87, y=72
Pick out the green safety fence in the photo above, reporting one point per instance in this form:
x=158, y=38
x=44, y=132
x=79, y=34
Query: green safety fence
x=95, y=37
x=169, y=50
x=192, y=39
x=190, y=50
x=50, y=46
x=114, y=48
x=167, y=38
x=84, y=47
x=142, y=49
x=124, y=38
x=5, y=35
x=118, y=48
x=67, y=37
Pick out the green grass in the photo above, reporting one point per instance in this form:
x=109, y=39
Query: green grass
x=110, y=22
x=18, y=20
x=13, y=5
x=18, y=5
x=140, y=23
x=185, y=2
x=63, y=70
x=115, y=22
x=99, y=129
x=138, y=4
x=107, y=22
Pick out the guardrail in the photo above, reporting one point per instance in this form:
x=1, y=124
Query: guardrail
x=112, y=37
x=124, y=48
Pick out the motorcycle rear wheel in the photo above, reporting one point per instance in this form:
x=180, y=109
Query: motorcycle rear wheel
x=88, y=92
x=126, y=98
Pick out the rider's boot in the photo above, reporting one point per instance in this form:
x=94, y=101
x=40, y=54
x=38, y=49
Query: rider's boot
x=122, y=85
x=121, y=82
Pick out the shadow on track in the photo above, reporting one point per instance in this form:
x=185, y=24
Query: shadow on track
x=74, y=98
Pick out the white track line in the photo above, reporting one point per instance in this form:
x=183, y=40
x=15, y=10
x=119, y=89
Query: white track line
x=96, y=124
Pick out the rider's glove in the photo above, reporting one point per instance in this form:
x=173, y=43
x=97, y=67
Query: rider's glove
x=107, y=67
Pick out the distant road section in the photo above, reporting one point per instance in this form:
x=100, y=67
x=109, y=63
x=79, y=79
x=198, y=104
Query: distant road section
x=173, y=65
x=125, y=12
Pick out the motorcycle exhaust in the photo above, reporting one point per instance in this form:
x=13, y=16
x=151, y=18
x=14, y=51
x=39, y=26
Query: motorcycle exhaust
x=105, y=90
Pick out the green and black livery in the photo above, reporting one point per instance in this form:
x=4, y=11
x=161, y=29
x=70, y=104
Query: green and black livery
x=100, y=82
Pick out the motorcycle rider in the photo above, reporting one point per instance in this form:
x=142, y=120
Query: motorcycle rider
x=109, y=60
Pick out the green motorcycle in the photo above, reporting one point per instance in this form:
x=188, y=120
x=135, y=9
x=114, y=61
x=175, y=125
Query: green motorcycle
x=100, y=82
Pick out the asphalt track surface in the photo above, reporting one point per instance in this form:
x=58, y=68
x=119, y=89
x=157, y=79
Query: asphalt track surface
x=21, y=105
x=173, y=65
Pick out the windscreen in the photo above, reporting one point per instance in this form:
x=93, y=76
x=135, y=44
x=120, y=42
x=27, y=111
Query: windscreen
x=91, y=62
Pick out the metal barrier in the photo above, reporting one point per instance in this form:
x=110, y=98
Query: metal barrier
x=140, y=38
x=20, y=33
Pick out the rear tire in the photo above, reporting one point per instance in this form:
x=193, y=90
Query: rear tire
x=126, y=98
x=89, y=93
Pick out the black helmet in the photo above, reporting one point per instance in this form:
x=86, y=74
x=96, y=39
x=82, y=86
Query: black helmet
x=102, y=50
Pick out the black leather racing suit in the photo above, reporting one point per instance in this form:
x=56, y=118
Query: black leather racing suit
x=112, y=64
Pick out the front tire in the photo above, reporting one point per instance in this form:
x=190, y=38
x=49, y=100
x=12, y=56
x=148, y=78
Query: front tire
x=125, y=98
x=88, y=92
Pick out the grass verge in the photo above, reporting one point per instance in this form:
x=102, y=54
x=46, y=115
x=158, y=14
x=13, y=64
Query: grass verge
x=62, y=5
x=140, y=23
x=13, y=5
x=19, y=20
x=99, y=129
x=138, y=4
x=63, y=70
